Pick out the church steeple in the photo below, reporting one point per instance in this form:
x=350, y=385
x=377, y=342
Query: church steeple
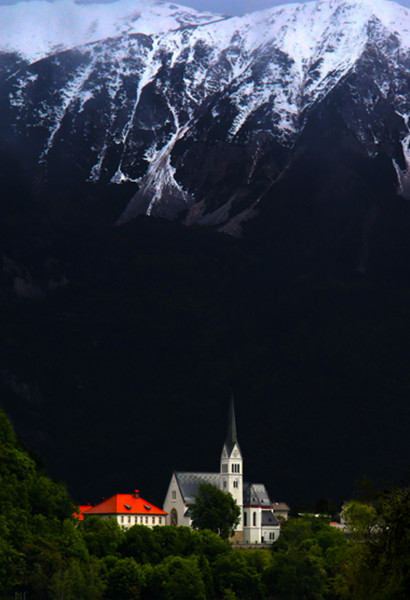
x=231, y=438
x=231, y=473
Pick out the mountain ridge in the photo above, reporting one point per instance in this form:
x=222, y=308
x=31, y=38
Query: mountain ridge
x=150, y=92
x=131, y=336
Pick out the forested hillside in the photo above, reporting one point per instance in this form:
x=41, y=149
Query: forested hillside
x=50, y=555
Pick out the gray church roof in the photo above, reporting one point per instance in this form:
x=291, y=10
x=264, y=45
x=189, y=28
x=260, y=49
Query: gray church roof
x=189, y=483
x=255, y=494
x=231, y=437
x=269, y=519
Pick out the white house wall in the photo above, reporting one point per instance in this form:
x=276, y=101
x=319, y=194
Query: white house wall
x=125, y=521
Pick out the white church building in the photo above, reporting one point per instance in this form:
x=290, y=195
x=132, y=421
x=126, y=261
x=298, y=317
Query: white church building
x=258, y=523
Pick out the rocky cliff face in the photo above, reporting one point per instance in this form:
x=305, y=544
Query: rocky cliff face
x=213, y=120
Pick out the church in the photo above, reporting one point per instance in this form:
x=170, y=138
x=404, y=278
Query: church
x=258, y=523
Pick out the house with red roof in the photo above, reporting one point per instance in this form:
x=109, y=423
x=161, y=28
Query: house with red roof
x=128, y=510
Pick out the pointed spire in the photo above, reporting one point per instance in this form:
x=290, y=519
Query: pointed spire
x=231, y=438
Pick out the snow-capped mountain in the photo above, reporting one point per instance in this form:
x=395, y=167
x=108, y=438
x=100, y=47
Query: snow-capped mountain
x=210, y=118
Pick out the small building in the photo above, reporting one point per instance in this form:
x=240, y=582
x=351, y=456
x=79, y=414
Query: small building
x=281, y=510
x=128, y=510
x=258, y=523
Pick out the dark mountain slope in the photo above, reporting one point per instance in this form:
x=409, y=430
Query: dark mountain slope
x=119, y=344
x=123, y=373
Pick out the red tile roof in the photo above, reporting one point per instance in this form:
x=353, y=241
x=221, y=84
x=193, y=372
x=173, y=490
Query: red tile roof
x=125, y=504
x=81, y=510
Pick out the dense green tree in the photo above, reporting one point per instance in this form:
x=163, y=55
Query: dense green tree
x=125, y=579
x=183, y=541
x=215, y=510
x=38, y=533
x=378, y=563
x=102, y=536
x=306, y=560
x=11, y=566
x=240, y=573
x=209, y=544
x=141, y=543
x=78, y=579
x=178, y=578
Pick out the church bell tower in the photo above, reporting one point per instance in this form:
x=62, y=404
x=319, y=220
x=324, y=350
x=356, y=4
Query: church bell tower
x=232, y=464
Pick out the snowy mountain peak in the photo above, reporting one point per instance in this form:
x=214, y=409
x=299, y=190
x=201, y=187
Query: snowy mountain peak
x=38, y=28
x=202, y=114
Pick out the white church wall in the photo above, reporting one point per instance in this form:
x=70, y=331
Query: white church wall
x=175, y=506
x=252, y=531
x=270, y=535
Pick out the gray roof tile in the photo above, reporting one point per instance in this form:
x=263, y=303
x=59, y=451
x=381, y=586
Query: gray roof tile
x=269, y=519
x=189, y=483
x=255, y=494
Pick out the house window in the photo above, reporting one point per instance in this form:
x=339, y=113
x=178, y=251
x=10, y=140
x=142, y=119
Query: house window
x=254, y=519
x=245, y=519
x=174, y=495
x=122, y=519
x=129, y=519
x=146, y=520
x=140, y=519
x=160, y=520
x=153, y=520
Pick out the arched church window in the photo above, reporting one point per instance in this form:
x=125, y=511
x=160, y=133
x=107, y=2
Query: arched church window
x=254, y=518
x=174, y=517
x=245, y=519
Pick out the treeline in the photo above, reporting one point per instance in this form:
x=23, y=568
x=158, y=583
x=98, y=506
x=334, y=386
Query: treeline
x=48, y=554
